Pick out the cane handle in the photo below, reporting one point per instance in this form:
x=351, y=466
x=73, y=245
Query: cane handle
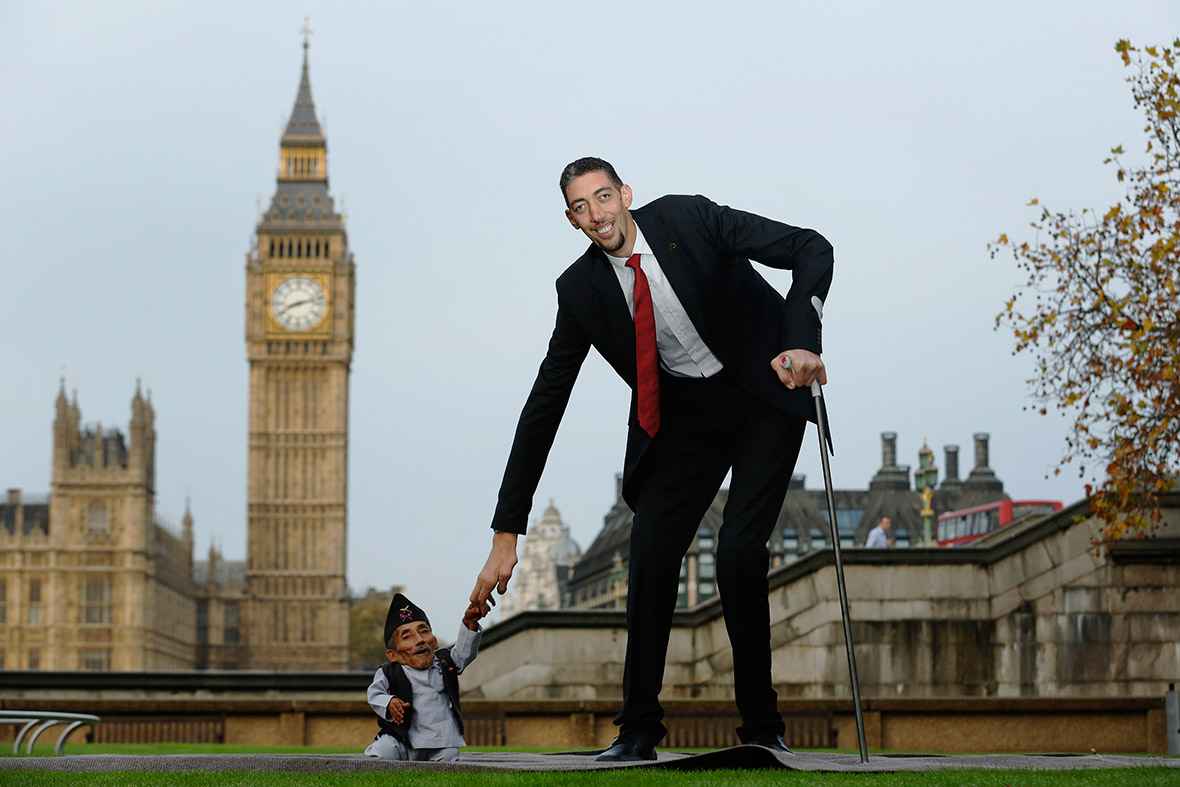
x=816, y=390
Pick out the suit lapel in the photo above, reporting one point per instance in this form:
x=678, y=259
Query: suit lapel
x=677, y=266
x=613, y=306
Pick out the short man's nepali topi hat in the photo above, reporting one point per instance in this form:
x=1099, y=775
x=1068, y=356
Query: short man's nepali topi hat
x=401, y=612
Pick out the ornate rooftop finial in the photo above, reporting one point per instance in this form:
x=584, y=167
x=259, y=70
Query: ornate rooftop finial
x=307, y=31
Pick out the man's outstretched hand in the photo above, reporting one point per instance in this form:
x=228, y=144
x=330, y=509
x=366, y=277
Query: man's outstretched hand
x=805, y=367
x=496, y=572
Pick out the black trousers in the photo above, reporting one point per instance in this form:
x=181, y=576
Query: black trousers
x=708, y=427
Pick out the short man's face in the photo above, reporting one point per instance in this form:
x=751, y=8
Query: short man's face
x=414, y=645
x=598, y=207
x=885, y=523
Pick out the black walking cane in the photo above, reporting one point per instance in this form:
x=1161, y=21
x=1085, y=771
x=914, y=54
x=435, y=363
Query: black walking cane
x=817, y=396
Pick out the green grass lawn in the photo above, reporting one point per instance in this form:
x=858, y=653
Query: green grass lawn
x=1113, y=777
x=1147, y=777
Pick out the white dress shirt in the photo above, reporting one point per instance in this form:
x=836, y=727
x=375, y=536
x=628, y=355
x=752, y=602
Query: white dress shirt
x=682, y=351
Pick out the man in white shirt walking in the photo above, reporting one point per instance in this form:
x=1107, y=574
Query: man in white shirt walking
x=879, y=535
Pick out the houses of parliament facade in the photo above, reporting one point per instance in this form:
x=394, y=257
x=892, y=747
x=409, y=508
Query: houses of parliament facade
x=92, y=578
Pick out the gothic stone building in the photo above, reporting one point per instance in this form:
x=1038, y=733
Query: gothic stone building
x=92, y=579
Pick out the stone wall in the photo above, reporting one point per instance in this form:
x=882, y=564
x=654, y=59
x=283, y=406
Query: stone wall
x=1032, y=611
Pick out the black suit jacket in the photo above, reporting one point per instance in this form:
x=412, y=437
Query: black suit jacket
x=704, y=250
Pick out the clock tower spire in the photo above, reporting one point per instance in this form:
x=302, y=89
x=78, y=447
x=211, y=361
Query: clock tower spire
x=300, y=280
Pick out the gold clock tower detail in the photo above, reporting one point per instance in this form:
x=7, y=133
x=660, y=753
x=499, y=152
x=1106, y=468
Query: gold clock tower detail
x=300, y=279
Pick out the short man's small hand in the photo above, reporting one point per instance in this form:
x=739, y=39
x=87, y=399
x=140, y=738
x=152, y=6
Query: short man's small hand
x=799, y=368
x=471, y=617
x=397, y=710
x=496, y=572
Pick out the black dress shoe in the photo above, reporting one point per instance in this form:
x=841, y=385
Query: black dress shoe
x=772, y=742
x=629, y=748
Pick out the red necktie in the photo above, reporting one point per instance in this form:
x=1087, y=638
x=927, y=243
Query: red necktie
x=647, y=357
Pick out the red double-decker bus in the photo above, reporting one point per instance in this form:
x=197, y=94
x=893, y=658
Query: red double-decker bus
x=957, y=528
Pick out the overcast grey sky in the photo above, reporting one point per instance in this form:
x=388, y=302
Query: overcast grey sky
x=136, y=137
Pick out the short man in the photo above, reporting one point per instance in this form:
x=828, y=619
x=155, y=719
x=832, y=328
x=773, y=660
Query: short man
x=416, y=694
x=667, y=296
x=879, y=535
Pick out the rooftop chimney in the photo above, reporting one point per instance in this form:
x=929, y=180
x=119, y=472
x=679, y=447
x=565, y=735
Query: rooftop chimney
x=982, y=486
x=952, y=466
x=890, y=476
x=888, y=449
x=981, y=450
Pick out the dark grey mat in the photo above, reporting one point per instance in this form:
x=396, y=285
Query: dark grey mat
x=742, y=757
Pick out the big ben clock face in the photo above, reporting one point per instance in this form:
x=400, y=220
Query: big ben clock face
x=298, y=303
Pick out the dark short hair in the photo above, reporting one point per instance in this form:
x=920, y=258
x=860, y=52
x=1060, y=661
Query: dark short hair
x=586, y=165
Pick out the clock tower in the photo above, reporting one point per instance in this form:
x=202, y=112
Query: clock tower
x=300, y=280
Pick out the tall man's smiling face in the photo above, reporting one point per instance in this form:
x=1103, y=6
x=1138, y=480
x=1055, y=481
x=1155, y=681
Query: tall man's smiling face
x=598, y=207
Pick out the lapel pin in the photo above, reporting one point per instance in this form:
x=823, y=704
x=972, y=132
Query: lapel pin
x=671, y=247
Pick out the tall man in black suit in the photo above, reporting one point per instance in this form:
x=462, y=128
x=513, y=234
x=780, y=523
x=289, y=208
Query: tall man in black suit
x=723, y=398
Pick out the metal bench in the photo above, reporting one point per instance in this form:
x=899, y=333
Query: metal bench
x=43, y=720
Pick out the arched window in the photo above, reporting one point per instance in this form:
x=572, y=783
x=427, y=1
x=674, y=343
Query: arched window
x=33, y=604
x=96, y=517
x=96, y=600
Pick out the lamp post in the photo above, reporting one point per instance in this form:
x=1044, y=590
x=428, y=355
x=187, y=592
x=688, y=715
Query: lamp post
x=925, y=478
x=618, y=594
